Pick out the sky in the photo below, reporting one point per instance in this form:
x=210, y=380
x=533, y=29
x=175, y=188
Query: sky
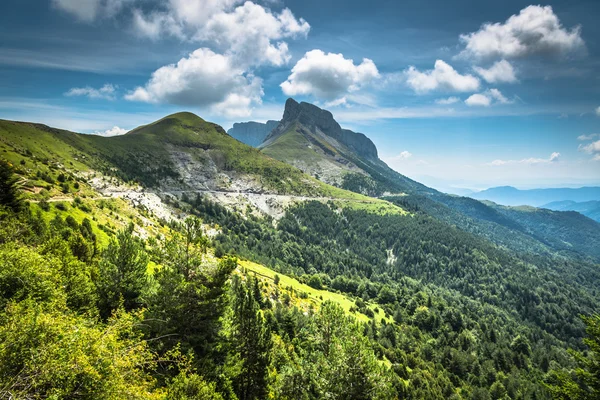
x=456, y=94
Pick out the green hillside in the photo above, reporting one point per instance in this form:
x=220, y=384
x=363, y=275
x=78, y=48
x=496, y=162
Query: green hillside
x=148, y=155
x=417, y=296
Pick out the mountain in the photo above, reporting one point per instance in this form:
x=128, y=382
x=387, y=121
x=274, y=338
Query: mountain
x=510, y=196
x=181, y=153
x=421, y=295
x=309, y=138
x=590, y=209
x=252, y=133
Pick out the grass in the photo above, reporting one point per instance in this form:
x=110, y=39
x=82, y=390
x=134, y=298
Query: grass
x=315, y=296
x=380, y=207
x=292, y=145
x=143, y=155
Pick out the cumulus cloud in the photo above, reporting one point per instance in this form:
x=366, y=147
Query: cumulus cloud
x=554, y=157
x=448, y=101
x=592, y=148
x=249, y=33
x=501, y=71
x=254, y=35
x=487, y=98
x=591, y=136
x=90, y=10
x=441, y=77
x=536, y=30
x=106, y=92
x=478, y=99
x=203, y=78
x=115, y=131
x=328, y=76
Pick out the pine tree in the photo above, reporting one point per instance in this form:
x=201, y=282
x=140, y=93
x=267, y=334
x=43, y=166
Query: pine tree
x=122, y=273
x=9, y=193
x=251, y=341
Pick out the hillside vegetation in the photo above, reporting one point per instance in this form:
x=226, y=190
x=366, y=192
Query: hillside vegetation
x=342, y=296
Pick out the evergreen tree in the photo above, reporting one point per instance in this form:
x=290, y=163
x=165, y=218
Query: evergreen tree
x=122, y=273
x=251, y=341
x=583, y=383
x=9, y=193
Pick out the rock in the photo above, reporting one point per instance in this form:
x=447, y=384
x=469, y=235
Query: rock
x=313, y=117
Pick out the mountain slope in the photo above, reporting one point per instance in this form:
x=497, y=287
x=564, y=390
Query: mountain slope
x=252, y=133
x=510, y=196
x=178, y=154
x=443, y=307
x=310, y=139
x=590, y=209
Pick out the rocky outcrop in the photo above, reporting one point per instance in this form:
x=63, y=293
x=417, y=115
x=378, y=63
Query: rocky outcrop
x=314, y=118
x=252, y=133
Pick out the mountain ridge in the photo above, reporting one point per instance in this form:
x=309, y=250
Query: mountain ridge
x=511, y=196
x=252, y=133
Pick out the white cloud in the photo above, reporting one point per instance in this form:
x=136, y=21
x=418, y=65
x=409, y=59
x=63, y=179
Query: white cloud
x=501, y=71
x=90, y=10
x=448, y=101
x=592, y=148
x=598, y=111
x=536, y=30
x=115, y=131
x=591, y=136
x=554, y=157
x=197, y=12
x=240, y=38
x=106, y=92
x=404, y=155
x=498, y=96
x=342, y=101
x=487, y=98
x=254, y=35
x=401, y=159
x=328, y=76
x=203, y=79
x=442, y=77
x=249, y=33
x=478, y=99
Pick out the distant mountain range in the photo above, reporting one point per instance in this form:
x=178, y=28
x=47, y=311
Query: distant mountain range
x=510, y=196
x=252, y=133
x=590, y=209
x=310, y=139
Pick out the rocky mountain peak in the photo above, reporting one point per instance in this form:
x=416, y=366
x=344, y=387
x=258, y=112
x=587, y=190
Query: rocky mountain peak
x=313, y=117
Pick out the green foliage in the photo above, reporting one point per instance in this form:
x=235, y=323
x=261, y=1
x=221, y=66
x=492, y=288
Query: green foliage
x=583, y=382
x=192, y=387
x=122, y=273
x=9, y=193
x=45, y=353
x=251, y=341
x=187, y=305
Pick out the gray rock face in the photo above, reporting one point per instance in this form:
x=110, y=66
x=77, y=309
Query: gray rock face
x=252, y=133
x=313, y=117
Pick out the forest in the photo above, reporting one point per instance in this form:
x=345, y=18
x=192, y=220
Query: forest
x=174, y=316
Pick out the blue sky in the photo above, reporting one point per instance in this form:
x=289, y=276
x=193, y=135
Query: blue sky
x=453, y=93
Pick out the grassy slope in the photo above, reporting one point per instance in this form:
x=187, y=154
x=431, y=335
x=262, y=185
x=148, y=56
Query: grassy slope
x=44, y=149
x=143, y=155
x=314, y=296
x=292, y=145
